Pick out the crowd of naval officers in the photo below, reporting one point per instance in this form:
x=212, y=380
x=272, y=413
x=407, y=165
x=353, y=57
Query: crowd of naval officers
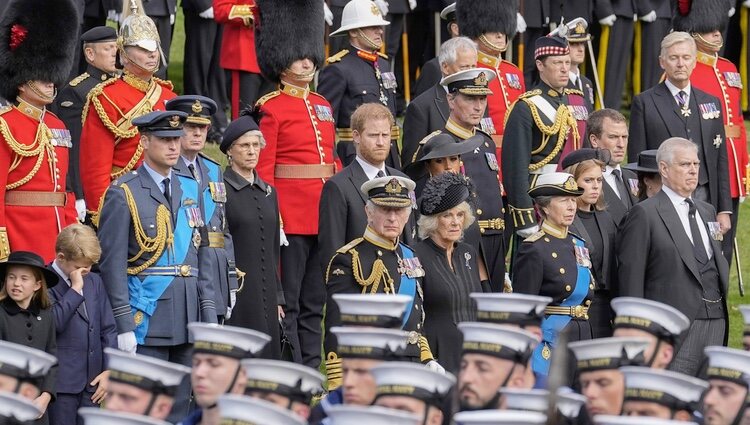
x=344, y=126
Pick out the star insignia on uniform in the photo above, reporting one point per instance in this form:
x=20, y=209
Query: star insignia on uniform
x=685, y=112
x=338, y=272
x=717, y=141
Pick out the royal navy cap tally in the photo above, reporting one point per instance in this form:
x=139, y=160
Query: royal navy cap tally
x=390, y=191
x=729, y=364
x=344, y=414
x=148, y=373
x=646, y=163
x=374, y=310
x=297, y=382
x=162, y=123
x=659, y=319
x=636, y=420
x=577, y=31
x=99, y=416
x=608, y=353
x=554, y=184
x=671, y=389
x=360, y=14
x=551, y=45
x=745, y=310
x=99, y=35
x=17, y=408
x=370, y=343
x=497, y=340
x=412, y=380
x=499, y=417
x=229, y=341
x=242, y=410
x=471, y=82
x=510, y=308
x=22, y=362
x=449, y=13
x=236, y=129
x=199, y=109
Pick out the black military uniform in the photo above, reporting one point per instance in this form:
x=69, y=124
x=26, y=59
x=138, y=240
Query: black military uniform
x=578, y=81
x=71, y=99
x=536, y=13
x=614, y=44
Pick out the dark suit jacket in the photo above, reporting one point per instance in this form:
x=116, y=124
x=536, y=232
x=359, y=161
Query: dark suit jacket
x=571, y=9
x=196, y=6
x=81, y=339
x=160, y=7
x=99, y=8
x=615, y=207
x=536, y=13
x=656, y=259
x=427, y=113
x=429, y=75
x=654, y=117
x=342, y=211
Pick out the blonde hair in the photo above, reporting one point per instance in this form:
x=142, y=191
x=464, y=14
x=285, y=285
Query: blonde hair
x=367, y=112
x=78, y=242
x=577, y=171
x=427, y=225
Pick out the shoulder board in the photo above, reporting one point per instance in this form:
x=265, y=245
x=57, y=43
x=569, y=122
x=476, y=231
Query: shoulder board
x=535, y=237
x=267, y=97
x=383, y=55
x=338, y=56
x=480, y=131
x=5, y=109
x=430, y=136
x=344, y=249
x=573, y=91
x=530, y=93
x=207, y=158
x=126, y=178
x=576, y=236
x=78, y=80
x=165, y=83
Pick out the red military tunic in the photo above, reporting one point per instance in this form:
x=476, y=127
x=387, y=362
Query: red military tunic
x=719, y=77
x=110, y=144
x=34, y=164
x=238, y=38
x=299, y=130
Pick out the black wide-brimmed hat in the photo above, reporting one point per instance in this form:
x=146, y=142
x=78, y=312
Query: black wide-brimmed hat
x=443, y=192
x=30, y=259
x=440, y=146
x=646, y=163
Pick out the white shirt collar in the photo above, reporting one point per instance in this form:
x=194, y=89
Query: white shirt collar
x=674, y=90
x=158, y=178
x=608, y=169
x=673, y=196
x=59, y=271
x=370, y=170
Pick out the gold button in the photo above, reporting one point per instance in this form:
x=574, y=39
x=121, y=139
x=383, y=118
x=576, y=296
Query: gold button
x=562, y=270
x=554, y=255
x=380, y=253
x=568, y=288
x=481, y=230
x=591, y=286
x=479, y=211
x=546, y=239
x=588, y=303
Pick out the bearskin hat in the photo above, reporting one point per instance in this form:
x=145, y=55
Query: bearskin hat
x=700, y=16
x=289, y=30
x=38, y=39
x=476, y=17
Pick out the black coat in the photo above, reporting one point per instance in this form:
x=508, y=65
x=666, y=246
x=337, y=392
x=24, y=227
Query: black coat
x=429, y=75
x=427, y=113
x=606, y=275
x=536, y=13
x=253, y=218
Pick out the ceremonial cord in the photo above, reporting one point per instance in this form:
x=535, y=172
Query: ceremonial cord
x=155, y=245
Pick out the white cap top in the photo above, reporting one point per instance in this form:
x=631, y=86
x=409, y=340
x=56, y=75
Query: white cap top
x=607, y=353
x=409, y=379
x=344, y=414
x=370, y=309
x=495, y=417
x=556, y=179
x=569, y=403
x=143, y=371
x=32, y=362
x=360, y=14
x=99, y=416
x=451, y=8
x=13, y=406
x=663, y=387
x=230, y=341
x=497, y=340
x=509, y=307
x=534, y=400
x=649, y=315
x=636, y=420
x=389, y=340
x=728, y=363
x=303, y=379
x=253, y=411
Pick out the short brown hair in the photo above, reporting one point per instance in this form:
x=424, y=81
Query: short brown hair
x=78, y=242
x=369, y=111
x=595, y=122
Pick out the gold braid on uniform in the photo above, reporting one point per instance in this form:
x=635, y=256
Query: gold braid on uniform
x=379, y=273
x=42, y=143
x=155, y=245
x=130, y=165
x=564, y=122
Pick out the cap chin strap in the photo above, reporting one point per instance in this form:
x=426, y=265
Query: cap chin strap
x=493, y=402
x=231, y=385
x=305, y=76
x=743, y=408
x=713, y=46
x=124, y=54
x=39, y=93
x=492, y=45
x=374, y=46
x=650, y=362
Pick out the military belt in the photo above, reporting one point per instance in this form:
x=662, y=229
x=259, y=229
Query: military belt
x=184, y=270
x=732, y=131
x=345, y=134
x=576, y=311
x=28, y=198
x=215, y=240
x=304, y=171
x=549, y=168
x=491, y=224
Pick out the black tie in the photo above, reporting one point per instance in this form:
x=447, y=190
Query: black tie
x=167, y=191
x=699, y=250
x=380, y=174
x=194, y=173
x=624, y=194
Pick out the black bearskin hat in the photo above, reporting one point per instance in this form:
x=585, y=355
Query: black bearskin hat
x=700, y=16
x=38, y=39
x=476, y=17
x=289, y=30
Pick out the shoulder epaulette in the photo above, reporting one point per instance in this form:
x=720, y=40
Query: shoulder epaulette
x=79, y=79
x=124, y=179
x=573, y=91
x=165, y=83
x=576, y=236
x=267, y=97
x=430, y=136
x=535, y=237
x=338, y=56
x=382, y=55
x=344, y=249
x=207, y=158
x=480, y=131
x=530, y=93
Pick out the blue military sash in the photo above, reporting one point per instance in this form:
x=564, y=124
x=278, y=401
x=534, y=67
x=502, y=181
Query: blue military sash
x=145, y=293
x=408, y=285
x=553, y=324
x=209, y=205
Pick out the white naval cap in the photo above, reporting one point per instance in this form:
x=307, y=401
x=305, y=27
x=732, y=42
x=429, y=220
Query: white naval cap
x=148, y=373
x=671, y=389
x=99, y=416
x=659, y=319
x=745, y=310
x=412, y=380
x=498, y=341
x=636, y=420
x=569, y=403
x=510, y=308
x=344, y=414
x=471, y=82
x=729, y=364
x=608, y=353
x=533, y=400
x=449, y=10
x=18, y=408
x=229, y=341
x=244, y=410
x=376, y=310
x=297, y=382
x=370, y=343
x=496, y=417
x=22, y=362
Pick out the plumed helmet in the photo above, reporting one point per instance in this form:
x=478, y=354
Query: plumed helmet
x=137, y=29
x=476, y=17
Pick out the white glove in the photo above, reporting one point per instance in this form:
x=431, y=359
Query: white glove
x=435, y=366
x=282, y=238
x=81, y=209
x=731, y=12
x=171, y=19
x=327, y=14
x=126, y=342
x=608, y=21
x=525, y=233
x=383, y=6
x=412, y=4
x=113, y=16
x=746, y=3
x=207, y=14
x=649, y=17
x=520, y=23
x=507, y=284
x=232, y=302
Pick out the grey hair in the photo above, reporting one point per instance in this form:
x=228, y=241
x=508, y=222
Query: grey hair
x=449, y=49
x=674, y=38
x=427, y=225
x=668, y=147
x=543, y=202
